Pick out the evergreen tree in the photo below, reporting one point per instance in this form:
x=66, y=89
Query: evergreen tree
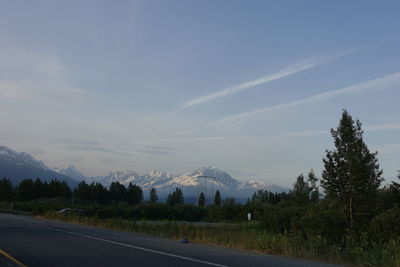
x=25, y=190
x=351, y=172
x=300, y=190
x=134, y=194
x=179, y=199
x=64, y=190
x=6, y=190
x=312, y=185
x=98, y=193
x=217, y=198
x=169, y=199
x=176, y=197
x=202, y=200
x=82, y=191
x=46, y=190
x=396, y=186
x=38, y=189
x=58, y=188
x=117, y=191
x=394, y=191
x=153, y=195
x=53, y=189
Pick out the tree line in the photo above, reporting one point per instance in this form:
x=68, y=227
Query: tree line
x=95, y=192
x=29, y=189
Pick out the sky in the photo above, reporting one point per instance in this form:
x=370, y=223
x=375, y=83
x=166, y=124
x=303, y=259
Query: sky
x=251, y=87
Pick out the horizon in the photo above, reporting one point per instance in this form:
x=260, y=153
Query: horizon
x=252, y=89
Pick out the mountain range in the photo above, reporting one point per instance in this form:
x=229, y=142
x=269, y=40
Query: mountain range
x=20, y=165
x=17, y=166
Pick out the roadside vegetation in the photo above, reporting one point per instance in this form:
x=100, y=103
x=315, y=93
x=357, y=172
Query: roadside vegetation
x=354, y=220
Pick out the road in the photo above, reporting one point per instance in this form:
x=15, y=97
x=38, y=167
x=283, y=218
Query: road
x=39, y=242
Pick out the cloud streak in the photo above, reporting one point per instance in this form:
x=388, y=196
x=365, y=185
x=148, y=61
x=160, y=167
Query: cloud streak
x=367, y=128
x=372, y=85
x=369, y=86
x=293, y=69
x=96, y=148
x=383, y=127
x=156, y=150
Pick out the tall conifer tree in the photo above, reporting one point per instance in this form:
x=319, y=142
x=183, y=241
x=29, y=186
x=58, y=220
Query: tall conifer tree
x=351, y=173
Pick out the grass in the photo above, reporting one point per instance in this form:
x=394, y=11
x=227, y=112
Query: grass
x=248, y=236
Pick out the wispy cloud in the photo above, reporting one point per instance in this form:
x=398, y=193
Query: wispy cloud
x=305, y=133
x=31, y=77
x=389, y=149
x=97, y=148
x=293, y=69
x=77, y=142
x=382, y=127
x=367, y=128
x=372, y=85
x=196, y=139
x=156, y=150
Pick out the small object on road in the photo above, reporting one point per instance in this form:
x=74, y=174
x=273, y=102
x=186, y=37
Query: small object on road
x=73, y=211
x=184, y=241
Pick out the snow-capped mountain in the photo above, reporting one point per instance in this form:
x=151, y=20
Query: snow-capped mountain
x=206, y=179
x=17, y=166
x=146, y=181
x=72, y=172
x=20, y=165
x=21, y=158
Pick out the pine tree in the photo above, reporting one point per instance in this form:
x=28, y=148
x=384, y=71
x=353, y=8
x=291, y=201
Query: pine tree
x=202, y=200
x=351, y=173
x=153, y=195
x=38, y=191
x=176, y=197
x=82, y=191
x=394, y=190
x=217, y=198
x=134, y=194
x=300, y=190
x=312, y=180
x=117, y=191
x=6, y=190
x=395, y=185
x=25, y=190
x=98, y=193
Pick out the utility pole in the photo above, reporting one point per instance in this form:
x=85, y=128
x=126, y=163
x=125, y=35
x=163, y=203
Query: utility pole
x=205, y=187
x=212, y=192
x=198, y=190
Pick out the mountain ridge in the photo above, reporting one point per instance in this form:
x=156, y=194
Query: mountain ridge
x=20, y=165
x=17, y=166
x=190, y=182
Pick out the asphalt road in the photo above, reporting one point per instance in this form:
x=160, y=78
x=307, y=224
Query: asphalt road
x=39, y=242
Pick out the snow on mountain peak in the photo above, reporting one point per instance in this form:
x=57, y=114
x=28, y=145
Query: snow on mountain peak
x=21, y=158
x=72, y=172
x=255, y=184
x=161, y=175
x=219, y=175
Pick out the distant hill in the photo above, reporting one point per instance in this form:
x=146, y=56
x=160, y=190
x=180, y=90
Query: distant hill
x=17, y=166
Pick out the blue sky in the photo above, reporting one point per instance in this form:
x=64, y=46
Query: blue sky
x=251, y=87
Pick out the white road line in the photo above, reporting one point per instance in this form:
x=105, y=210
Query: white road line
x=127, y=245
